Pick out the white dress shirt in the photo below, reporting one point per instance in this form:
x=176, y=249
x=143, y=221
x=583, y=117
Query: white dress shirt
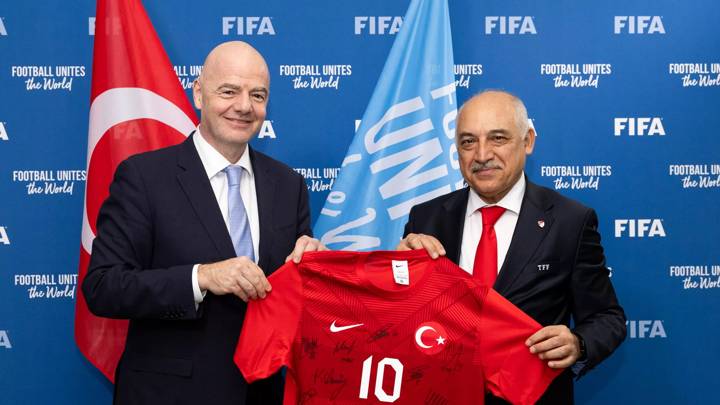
x=504, y=227
x=214, y=164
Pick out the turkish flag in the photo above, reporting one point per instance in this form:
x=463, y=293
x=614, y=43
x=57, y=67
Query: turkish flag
x=136, y=104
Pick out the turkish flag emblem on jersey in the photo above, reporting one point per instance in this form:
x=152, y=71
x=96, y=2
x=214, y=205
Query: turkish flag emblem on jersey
x=431, y=338
x=136, y=105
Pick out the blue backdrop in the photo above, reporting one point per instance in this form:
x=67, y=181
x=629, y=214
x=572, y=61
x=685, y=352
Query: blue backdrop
x=624, y=96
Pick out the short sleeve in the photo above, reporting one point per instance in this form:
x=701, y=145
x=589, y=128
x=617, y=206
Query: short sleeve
x=270, y=326
x=510, y=370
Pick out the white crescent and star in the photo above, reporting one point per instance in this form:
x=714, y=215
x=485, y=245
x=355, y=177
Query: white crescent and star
x=418, y=337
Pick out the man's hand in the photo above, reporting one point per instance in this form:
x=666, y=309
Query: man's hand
x=302, y=245
x=557, y=344
x=420, y=241
x=239, y=276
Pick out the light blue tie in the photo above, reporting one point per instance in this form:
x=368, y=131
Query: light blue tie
x=239, y=224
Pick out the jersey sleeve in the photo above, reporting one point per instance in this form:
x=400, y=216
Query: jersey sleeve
x=270, y=326
x=510, y=370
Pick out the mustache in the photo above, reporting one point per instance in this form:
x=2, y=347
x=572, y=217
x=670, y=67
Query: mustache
x=490, y=164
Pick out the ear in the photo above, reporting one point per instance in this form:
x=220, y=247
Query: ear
x=529, y=141
x=197, y=94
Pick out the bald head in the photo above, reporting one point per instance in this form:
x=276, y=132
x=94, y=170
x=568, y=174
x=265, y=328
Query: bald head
x=234, y=55
x=504, y=99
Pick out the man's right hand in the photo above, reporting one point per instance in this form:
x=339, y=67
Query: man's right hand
x=239, y=276
x=421, y=241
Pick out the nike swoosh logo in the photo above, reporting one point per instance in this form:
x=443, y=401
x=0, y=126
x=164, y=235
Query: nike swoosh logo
x=334, y=328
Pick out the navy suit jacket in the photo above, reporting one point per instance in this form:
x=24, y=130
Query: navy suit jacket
x=574, y=284
x=161, y=219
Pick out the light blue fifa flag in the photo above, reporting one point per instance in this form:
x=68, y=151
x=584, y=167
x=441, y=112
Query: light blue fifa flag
x=403, y=152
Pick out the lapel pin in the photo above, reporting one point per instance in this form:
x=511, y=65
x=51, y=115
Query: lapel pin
x=541, y=223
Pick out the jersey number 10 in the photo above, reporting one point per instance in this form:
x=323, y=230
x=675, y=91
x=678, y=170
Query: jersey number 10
x=380, y=393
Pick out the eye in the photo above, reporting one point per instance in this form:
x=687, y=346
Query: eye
x=467, y=142
x=260, y=97
x=227, y=93
x=498, y=138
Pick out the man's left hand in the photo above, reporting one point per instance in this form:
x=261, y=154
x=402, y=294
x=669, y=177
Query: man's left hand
x=556, y=344
x=302, y=245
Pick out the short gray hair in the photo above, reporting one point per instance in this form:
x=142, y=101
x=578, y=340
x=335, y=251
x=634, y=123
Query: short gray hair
x=521, y=115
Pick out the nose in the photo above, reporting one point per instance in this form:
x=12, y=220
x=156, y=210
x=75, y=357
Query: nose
x=242, y=103
x=483, y=151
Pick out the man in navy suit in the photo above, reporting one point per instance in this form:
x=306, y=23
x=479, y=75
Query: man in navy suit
x=182, y=245
x=549, y=262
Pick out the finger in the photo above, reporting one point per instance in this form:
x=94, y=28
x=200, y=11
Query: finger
x=564, y=363
x=261, y=284
x=266, y=285
x=256, y=276
x=546, y=345
x=300, y=247
x=311, y=245
x=248, y=287
x=430, y=245
x=543, y=334
x=244, y=278
x=240, y=293
x=557, y=353
x=438, y=246
x=403, y=245
x=415, y=241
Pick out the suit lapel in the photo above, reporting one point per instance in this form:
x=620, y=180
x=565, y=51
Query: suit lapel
x=534, y=223
x=196, y=185
x=450, y=228
x=265, y=185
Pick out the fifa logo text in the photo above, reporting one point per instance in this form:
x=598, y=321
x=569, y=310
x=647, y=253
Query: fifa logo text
x=639, y=228
x=639, y=126
x=377, y=25
x=511, y=25
x=247, y=26
x=638, y=24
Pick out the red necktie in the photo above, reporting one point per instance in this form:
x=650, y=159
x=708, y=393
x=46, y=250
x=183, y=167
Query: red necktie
x=485, y=266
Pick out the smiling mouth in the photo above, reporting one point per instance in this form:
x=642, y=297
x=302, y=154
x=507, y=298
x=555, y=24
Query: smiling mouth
x=239, y=122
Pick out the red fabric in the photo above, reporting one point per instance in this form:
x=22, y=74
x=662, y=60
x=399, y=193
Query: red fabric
x=338, y=320
x=486, y=261
x=127, y=54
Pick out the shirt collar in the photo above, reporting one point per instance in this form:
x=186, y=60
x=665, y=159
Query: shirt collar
x=511, y=202
x=213, y=161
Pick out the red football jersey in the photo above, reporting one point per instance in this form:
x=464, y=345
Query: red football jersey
x=389, y=327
